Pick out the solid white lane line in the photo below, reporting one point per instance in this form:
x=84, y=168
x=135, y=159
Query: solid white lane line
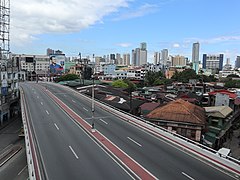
x=41, y=103
x=134, y=141
x=73, y=101
x=38, y=97
x=73, y=152
x=103, y=121
x=187, y=176
x=22, y=170
x=56, y=126
x=85, y=109
x=47, y=112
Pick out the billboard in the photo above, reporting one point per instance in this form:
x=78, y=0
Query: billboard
x=57, y=64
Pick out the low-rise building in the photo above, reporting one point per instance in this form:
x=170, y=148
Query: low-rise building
x=219, y=125
x=182, y=117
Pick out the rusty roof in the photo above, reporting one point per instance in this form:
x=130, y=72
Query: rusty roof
x=180, y=111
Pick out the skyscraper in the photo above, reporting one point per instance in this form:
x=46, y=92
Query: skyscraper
x=179, y=61
x=237, y=62
x=143, y=46
x=195, y=56
x=213, y=62
x=133, y=57
x=164, y=57
x=139, y=55
x=156, y=57
x=126, y=59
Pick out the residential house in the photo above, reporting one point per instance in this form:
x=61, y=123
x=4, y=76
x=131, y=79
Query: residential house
x=219, y=125
x=181, y=117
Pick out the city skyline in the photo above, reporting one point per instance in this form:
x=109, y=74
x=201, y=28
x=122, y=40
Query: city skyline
x=107, y=27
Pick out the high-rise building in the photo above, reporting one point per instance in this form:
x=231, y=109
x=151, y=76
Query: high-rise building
x=164, y=57
x=118, y=59
x=112, y=56
x=139, y=55
x=50, y=51
x=156, y=58
x=134, y=57
x=126, y=59
x=179, y=61
x=213, y=62
x=143, y=46
x=143, y=57
x=227, y=66
x=195, y=56
x=237, y=62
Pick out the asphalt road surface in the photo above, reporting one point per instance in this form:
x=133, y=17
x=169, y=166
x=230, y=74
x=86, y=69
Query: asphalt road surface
x=57, y=133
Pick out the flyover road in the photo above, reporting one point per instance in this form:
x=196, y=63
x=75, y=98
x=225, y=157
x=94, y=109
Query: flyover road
x=66, y=151
x=163, y=160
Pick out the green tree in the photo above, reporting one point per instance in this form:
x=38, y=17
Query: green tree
x=232, y=84
x=185, y=75
x=153, y=78
x=232, y=76
x=131, y=86
x=68, y=77
x=119, y=84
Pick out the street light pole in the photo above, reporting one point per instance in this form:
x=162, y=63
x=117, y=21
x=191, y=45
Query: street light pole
x=93, y=108
x=80, y=71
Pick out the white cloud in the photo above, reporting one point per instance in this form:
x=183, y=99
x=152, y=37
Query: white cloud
x=214, y=40
x=125, y=45
x=31, y=18
x=176, y=45
x=139, y=12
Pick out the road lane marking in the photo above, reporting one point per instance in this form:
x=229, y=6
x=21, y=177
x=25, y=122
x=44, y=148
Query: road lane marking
x=73, y=101
x=187, y=176
x=38, y=97
x=22, y=170
x=73, y=152
x=134, y=141
x=103, y=121
x=85, y=109
x=41, y=103
x=56, y=126
x=47, y=112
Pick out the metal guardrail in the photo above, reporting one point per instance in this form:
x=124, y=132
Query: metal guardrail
x=207, y=153
x=33, y=168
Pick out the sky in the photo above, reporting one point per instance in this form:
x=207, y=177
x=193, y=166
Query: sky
x=102, y=27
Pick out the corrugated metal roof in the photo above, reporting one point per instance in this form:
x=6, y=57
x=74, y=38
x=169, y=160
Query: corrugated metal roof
x=218, y=111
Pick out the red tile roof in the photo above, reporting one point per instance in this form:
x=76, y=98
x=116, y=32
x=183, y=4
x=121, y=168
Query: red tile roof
x=229, y=93
x=149, y=106
x=180, y=111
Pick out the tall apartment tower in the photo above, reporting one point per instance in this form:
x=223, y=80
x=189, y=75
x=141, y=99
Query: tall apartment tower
x=164, y=57
x=133, y=58
x=195, y=56
x=143, y=46
x=213, y=62
x=156, y=58
x=237, y=62
x=126, y=59
x=139, y=55
x=179, y=61
x=118, y=59
x=143, y=53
